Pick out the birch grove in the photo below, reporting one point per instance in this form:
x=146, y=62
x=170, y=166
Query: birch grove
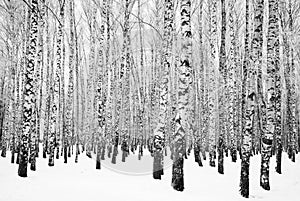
x=153, y=80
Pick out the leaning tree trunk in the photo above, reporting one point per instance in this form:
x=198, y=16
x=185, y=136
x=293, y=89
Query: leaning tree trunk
x=29, y=96
x=184, y=88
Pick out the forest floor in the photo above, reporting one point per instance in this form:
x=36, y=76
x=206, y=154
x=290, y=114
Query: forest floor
x=81, y=181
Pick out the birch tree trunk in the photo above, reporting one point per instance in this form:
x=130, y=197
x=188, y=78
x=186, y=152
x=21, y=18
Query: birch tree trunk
x=70, y=98
x=184, y=89
x=232, y=87
x=125, y=76
x=76, y=54
x=91, y=84
x=250, y=95
x=101, y=97
x=212, y=93
x=160, y=130
x=49, y=75
x=29, y=96
x=62, y=102
x=54, y=121
x=272, y=93
x=40, y=71
x=222, y=90
x=290, y=87
x=199, y=142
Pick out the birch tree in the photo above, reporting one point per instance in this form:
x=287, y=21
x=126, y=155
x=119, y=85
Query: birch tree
x=250, y=94
x=272, y=93
x=54, y=123
x=232, y=87
x=211, y=91
x=184, y=84
x=222, y=87
x=29, y=95
x=160, y=130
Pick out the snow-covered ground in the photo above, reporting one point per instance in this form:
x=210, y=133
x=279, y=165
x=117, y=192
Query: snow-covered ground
x=83, y=182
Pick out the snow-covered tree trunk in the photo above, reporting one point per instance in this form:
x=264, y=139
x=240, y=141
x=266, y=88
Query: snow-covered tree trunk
x=110, y=82
x=246, y=61
x=222, y=90
x=48, y=75
x=260, y=116
x=29, y=95
x=212, y=92
x=68, y=130
x=101, y=97
x=90, y=83
x=40, y=70
x=199, y=82
x=34, y=139
x=13, y=53
x=232, y=86
x=62, y=102
x=2, y=110
x=125, y=75
x=292, y=110
x=290, y=87
x=249, y=93
x=6, y=114
x=272, y=93
x=160, y=130
x=76, y=58
x=280, y=140
x=54, y=136
x=83, y=107
x=184, y=89
x=21, y=81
